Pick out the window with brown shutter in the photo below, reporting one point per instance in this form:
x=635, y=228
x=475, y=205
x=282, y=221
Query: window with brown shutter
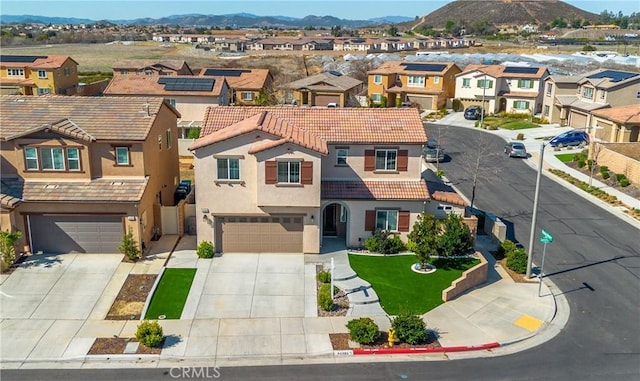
x=270, y=172
x=369, y=160
x=403, y=221
x=403, y=160
x=370, y=220
x=307, y=173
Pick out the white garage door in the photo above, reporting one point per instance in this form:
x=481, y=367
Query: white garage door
x=262, y=234
x=75, y=234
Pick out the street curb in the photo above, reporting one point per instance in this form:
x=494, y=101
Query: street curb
x=407, y=351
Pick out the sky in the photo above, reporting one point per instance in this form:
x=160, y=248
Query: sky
x=345, y=9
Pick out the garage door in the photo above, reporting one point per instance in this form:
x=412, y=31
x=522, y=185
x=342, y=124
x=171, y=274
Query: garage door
x=262, y=234
x=578, y=120
x=425, y=103
x=323, y=100
x=75, y=234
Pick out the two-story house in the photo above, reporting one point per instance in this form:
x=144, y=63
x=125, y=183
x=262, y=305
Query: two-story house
x=429, y=85
x=151, y=67
x=79, y=172
x=323, y=89
x=279, y=179
x=38, y=75
x=190, y=95
x=245, y=84
x=569, y=100
x=499, y=88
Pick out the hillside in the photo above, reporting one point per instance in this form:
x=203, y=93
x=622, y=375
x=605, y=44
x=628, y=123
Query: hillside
x=499, y=12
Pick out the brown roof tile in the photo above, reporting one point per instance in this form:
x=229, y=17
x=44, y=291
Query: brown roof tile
x=374, y=190
x=99, y=190
x=46, y=62
x=444, y=193
x=141, y=64
x=255, y=79
x=147, y=85
x=497, y=71
x=397, y=67
x=623, y=114
x=325, y=81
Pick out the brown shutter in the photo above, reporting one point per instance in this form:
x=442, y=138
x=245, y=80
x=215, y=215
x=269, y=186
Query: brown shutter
x=403, y=160
x=306, y=173
x=270, y=172
x=403, y=221
x=369, y=160
x=370, y=220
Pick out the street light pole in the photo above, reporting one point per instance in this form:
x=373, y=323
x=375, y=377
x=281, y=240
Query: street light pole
x=484, y=91
x=535, y=212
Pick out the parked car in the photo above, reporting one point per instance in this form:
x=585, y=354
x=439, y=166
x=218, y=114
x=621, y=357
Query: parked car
x=473, y=112
x=515, y=149
x=183, y=190
x=570, y=139
x=433, y=152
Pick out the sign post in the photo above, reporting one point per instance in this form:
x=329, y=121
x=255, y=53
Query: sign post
x=545, y=239
x=332, y=268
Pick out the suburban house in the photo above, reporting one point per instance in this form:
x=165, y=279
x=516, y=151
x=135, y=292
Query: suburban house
x=189, y=95
x=570, y=100
x=499, y=88
x=280, y=179
x=151, y=67
x=323, y=89
x=429, y=85
x=616, y=124
x=245, y=84
x=38, y=75
x=79, y=172
x=291, y=43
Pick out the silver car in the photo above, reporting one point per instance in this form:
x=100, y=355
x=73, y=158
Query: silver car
x=433, y=153
x=515, y=149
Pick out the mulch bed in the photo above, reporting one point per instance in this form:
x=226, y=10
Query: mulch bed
x=340, y=341
x=341, y=301
x=131, y=298
x=116, y=346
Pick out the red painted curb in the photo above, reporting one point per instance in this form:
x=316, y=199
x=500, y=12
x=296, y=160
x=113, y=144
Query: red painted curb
x=395, y=351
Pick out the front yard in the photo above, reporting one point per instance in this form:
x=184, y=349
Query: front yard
x=171, y=293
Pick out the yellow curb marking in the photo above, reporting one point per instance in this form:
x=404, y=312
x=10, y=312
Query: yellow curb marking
x=529, y=323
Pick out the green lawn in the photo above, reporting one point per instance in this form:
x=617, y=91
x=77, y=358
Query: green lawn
x=565, y=157
x=171, y=293
x=509, y=123
x=399, y=288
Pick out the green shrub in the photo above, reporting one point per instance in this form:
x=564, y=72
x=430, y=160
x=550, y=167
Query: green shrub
x=457, y=105
x=604, y=169
x=410, y=329
x=520, y=136
x=363, y=330
x=7, y=248
x=324, y=298
x=605, y=175
x=384, y=242
x=620, y=177
x=624, y=182
x=149, y=333
x=506, y=247
x=129, y=246
x=517, y=261
x=205, y=250
x=324, y=276
x=581, y=163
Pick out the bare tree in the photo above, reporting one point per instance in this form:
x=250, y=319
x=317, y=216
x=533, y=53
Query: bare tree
x=358, y=68
x=594, y=152
x=477, y=162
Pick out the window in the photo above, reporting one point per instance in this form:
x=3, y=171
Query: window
x=387, y=220
x=228, y=169
x=587, y=92
x=343, y=214
x=521, y=105
x=73, y=159
x=67, y=71
x=415, y=81
x=289, y=172
x=342, y=154
x=42, y=74
x=247, y=96
x=15, y=72
x=31, y=158
x=122, y=156
x=171, y=101
x=386, y=159
x=169, y=138
x=602, y=94
x=52, y=159
x=485, y=83
x=160, y=142
x=124, y=72
x=436, y=79
x=549, y=88
x=546, y=110
x=43, y=91
x=376, y=98
x=466, y=82
x=377, y=79
x=525, y=84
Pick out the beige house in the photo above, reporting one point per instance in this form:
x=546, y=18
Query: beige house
x=323, y=89
x=79, y=172
x=151, y=67
x=38, y=75
x=570, y=100
x=616, y=124
x=245, y=84
x=280, y=179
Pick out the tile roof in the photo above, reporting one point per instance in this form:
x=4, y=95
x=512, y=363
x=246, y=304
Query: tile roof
x=326, y=80
x=141, y=64
x=334, y=125
x=439, y=191
x=99, y=190
x=397, y=67
x=10, y=193
x=573, y=101
x=374, y=190
x=269, y=123
x=497, y=71
x=255, y=79
x=147, y=85
x=413, y=90
x=601, y=83
x=102, y=118
x=518, y=94
x=45, y=62
x=624, y=114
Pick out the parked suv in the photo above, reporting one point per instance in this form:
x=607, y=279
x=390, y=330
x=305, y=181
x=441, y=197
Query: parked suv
x=570, y=138
x=473, y=112
x=433, y=153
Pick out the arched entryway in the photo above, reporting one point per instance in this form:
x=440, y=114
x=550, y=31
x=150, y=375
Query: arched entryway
x=335, y=217
x=502, y=105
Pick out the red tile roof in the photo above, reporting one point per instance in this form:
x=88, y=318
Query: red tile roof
x=444, y=193
x=334, y=125
x=623, y=114
x=374, y=190
x=397, y=67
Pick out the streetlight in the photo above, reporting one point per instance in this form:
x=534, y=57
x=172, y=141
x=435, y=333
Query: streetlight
x=534, y=214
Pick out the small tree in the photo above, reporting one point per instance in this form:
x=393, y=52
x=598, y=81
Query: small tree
x=7, y=242
x=149, y=333
x=205, y=250
x=129, y=246
x=455, y=237
x=424, y=237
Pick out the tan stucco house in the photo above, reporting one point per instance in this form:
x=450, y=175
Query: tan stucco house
x=38, y=75
x=245, y=84
x=323, y=89
x=616, y=124
x=79, y=172
x=151, y=67
x=280, y=179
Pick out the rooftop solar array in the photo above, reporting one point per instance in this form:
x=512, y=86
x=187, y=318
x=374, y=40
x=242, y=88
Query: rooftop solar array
x=4, y=58
x=225, y=72
x=614, y=75
x=187, y=84
x=334, y=72
x=520, y=70
x=424, y=67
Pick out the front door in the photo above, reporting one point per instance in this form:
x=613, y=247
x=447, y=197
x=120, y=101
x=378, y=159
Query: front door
x=329, y=221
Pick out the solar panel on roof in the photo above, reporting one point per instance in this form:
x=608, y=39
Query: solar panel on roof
x=424, y=67
x=334, y=72
x=187, y=84
x=614, y=75
x=520, y=70
x=225, y=72
x=6, y=58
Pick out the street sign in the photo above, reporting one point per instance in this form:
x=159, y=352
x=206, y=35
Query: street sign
x=546, y=237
